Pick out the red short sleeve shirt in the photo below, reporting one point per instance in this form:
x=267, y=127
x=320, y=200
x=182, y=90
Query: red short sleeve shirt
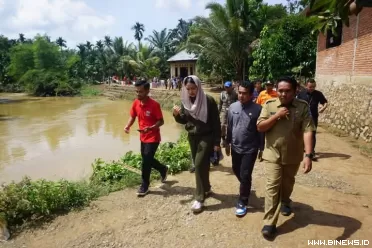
x=148, y=114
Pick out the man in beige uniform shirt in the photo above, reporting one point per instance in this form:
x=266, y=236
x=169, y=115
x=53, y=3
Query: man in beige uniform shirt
x=288, y=125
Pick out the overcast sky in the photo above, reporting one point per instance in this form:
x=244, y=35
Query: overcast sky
x=81, y=20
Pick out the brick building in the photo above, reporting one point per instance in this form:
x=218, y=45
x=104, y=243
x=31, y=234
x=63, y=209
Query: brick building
x=344, y=75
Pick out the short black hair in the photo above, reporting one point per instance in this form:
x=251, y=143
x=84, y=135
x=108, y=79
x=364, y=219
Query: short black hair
x=247, y=85
x=311, y=80
x=143, y=83
x=257, y=81
x=289, y=80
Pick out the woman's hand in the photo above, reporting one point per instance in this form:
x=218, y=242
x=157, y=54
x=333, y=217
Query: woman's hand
x=176, y=110
x=217, y=148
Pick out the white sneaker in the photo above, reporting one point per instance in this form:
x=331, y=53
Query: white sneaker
x=197, y=207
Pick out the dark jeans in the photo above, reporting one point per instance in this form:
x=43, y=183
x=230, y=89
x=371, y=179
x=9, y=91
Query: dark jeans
x=148, y=151
x=315, y=119
x=242, y=165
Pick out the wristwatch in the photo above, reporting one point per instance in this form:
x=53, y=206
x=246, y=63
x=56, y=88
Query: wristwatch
x=310, y=155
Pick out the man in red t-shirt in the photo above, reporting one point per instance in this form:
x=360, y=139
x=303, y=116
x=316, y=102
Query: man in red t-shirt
x=150, y=118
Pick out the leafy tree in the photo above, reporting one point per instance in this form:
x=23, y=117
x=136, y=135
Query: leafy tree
x=330, y=12
x=46, y=54
x=21, y=38
x=22, y=60
x=296, y=6
x=5, y=46
x=288, y=47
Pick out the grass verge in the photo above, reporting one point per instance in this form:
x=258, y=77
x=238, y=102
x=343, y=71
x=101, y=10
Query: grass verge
x=31, y=201
x=90, y=91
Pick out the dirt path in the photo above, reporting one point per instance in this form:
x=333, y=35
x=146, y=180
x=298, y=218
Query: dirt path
x=334, y=201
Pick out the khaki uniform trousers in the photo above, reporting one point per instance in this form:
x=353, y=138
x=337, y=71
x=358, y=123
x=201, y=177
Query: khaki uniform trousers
x=280, y=180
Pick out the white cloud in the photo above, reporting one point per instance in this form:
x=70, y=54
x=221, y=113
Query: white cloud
x=173, y=4
x=74, y=20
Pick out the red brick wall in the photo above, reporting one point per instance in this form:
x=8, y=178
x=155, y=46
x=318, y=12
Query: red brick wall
x=339, y=60
x=344, y=75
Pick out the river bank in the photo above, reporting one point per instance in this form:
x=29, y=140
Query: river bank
x=27, y=202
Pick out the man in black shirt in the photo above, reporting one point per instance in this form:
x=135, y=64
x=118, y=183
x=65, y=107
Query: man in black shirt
x=313, y=97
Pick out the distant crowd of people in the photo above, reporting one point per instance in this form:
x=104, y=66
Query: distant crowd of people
x=271, y=122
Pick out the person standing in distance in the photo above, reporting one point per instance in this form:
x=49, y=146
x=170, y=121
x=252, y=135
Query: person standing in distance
x=150, y=118
x=257, y=90
x=267, y=94
x=313, y=97
x=288, y=126
x=244, y=140
x=227, y=97
x=199, y=114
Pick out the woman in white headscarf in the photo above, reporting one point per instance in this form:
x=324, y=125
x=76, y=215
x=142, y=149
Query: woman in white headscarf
x=199, y=114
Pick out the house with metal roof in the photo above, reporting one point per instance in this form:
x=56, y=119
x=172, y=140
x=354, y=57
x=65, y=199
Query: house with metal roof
x=183, y=64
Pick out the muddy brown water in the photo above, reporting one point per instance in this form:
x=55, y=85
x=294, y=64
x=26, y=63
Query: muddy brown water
x=55, y=138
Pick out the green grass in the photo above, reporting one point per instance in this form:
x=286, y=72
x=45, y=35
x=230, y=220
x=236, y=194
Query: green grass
x=90, y=91
x=30, y=201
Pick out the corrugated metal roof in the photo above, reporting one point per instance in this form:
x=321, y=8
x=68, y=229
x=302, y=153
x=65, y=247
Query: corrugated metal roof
x=183, y=56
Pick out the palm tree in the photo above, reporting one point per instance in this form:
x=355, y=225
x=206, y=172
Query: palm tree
x=224, y=37
x=163, y=48
x=180, y=34
x=138, y=32
x=61, y=42
x=160, y=40
x=99, y=45
x=89, y=45
x=82, y=50
x=118, y=46
x=108, y=42
x=144, y=63
x=21, y=38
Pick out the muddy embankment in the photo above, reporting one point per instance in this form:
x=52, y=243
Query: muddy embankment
x=166, y=98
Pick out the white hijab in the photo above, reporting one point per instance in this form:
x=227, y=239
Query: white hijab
x=198, y=109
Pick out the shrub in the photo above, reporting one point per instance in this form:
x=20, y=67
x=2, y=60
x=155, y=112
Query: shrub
x=30, y=200
x=33, y=199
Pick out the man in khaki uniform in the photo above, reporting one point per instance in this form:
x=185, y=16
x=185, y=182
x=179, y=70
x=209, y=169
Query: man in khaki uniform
x=288, y=125
x=227, y=97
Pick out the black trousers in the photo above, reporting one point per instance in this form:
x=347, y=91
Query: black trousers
x=315, y=119
x=242, y=165
x=148, y=151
